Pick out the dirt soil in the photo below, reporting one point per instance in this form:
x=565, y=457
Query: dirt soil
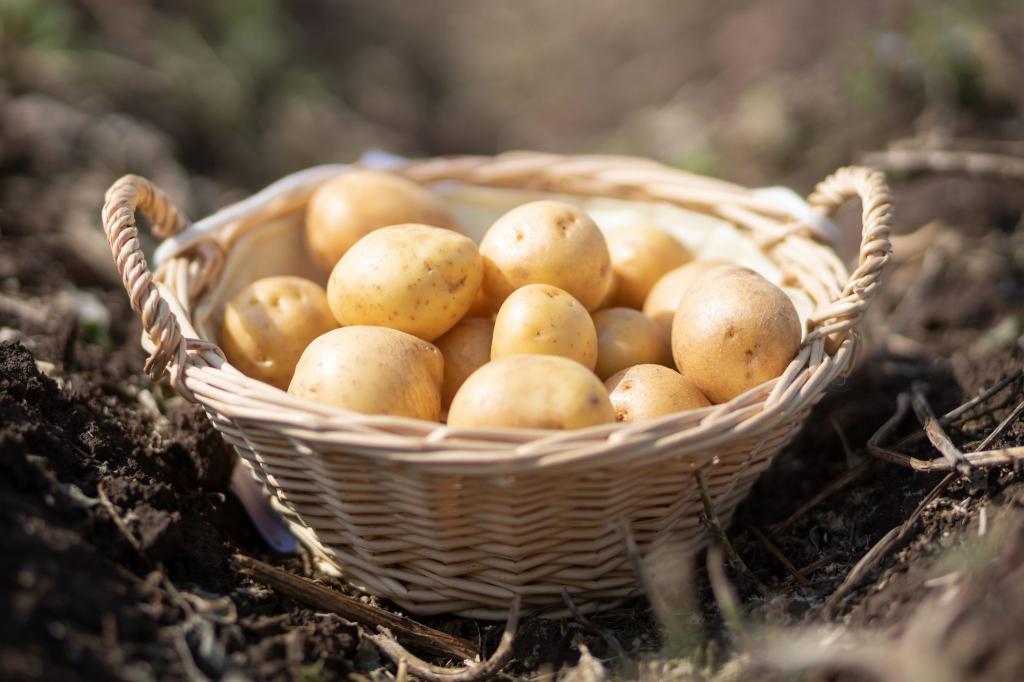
x=116, y=520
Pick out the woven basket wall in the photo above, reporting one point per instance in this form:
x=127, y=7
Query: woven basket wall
x=449, y=520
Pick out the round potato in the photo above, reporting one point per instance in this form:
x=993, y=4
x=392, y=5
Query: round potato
x=640, y=255
x=269, y=323
x=540, y=319
x=649, y=391
x=345, y=209
x=627, y=337
x=664, y=297
x=533, y=392
x=373, y=370
x=466, y=348
x=546, y=242
x=734, y=330
x=414, y=278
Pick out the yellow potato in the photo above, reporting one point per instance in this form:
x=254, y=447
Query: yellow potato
x=664, y=297
x=649, y=391
x=540, y=319
x=466, y=348
x=627, y=337
x=373, y=370
x=345, y=209
x=734, y=330
x=269, y=323
x=640, y=255
x=414, y=278
x=546, y=242
x=532, y=392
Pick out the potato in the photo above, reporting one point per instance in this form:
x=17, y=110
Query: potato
x=649, y=391
x=627, y=337
x=540, y=319
x=546, y=242
x=664, y=297
x=269, y=323
x=734, y=330
x=531, y=391
x=414, y=278
x=466, y=348
x=345, y=209
x=640, y=255
x=373, y=370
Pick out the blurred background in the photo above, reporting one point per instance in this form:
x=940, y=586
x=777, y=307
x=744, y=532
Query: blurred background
x=218, y=97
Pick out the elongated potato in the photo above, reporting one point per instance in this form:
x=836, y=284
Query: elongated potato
x=664, y=297
x=627, y=337
x=373, y=370
x=734, y=330
x=540, y=319
x=531, y=391
x=649, y=391
x=546, y=242
x=466, y=348
x=640, y=255
x=269, y=323
x=345, y=209
x=414, y=278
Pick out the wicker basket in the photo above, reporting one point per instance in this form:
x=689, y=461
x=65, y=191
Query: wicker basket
x=461, y=520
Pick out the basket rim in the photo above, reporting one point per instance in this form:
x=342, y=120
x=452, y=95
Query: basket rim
x=198, y=370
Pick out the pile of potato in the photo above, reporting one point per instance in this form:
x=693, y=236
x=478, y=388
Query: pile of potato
x=419, y=321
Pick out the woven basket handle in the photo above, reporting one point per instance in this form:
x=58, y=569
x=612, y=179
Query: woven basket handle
x=129, y=194
x=871, y=188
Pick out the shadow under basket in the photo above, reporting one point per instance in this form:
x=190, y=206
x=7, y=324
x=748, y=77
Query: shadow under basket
x=443, y=520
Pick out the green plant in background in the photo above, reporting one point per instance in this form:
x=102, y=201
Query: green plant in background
x=44, y=25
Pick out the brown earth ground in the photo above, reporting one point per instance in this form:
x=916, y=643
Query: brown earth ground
x=116, y=522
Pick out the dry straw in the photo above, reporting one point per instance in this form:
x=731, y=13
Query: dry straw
x=458, y=520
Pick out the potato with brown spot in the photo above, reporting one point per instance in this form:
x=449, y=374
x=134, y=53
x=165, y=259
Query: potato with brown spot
x=345, y=209
x=531, y=392
x=540, y=319
x=649, y=391
x=627, y=337
x=466, y=348
x=269, y=323
x=640, y=255
x=414, y=278
x=546, y=242
x=372, y=370
x=733, y=331
x=664, y=297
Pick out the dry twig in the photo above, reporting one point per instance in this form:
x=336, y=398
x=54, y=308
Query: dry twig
x=881, y=548
x=316, y=596
x=432, y=673
x=713, y=524
x=777, y=553
x=609, y=637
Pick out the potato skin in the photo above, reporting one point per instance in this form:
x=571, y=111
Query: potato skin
x=627, y=337
x=664, y=297
x=414, y=278
x=540, y=319
x=269, y=323
x=649, y=391
x=466, y=348
x=640, y=255
x=531, y=391
x=734, y=330
x=373, y=370
x=345, y=209
x=546, y=242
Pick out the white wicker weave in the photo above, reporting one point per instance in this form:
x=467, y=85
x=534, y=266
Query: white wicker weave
x=459, y=520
